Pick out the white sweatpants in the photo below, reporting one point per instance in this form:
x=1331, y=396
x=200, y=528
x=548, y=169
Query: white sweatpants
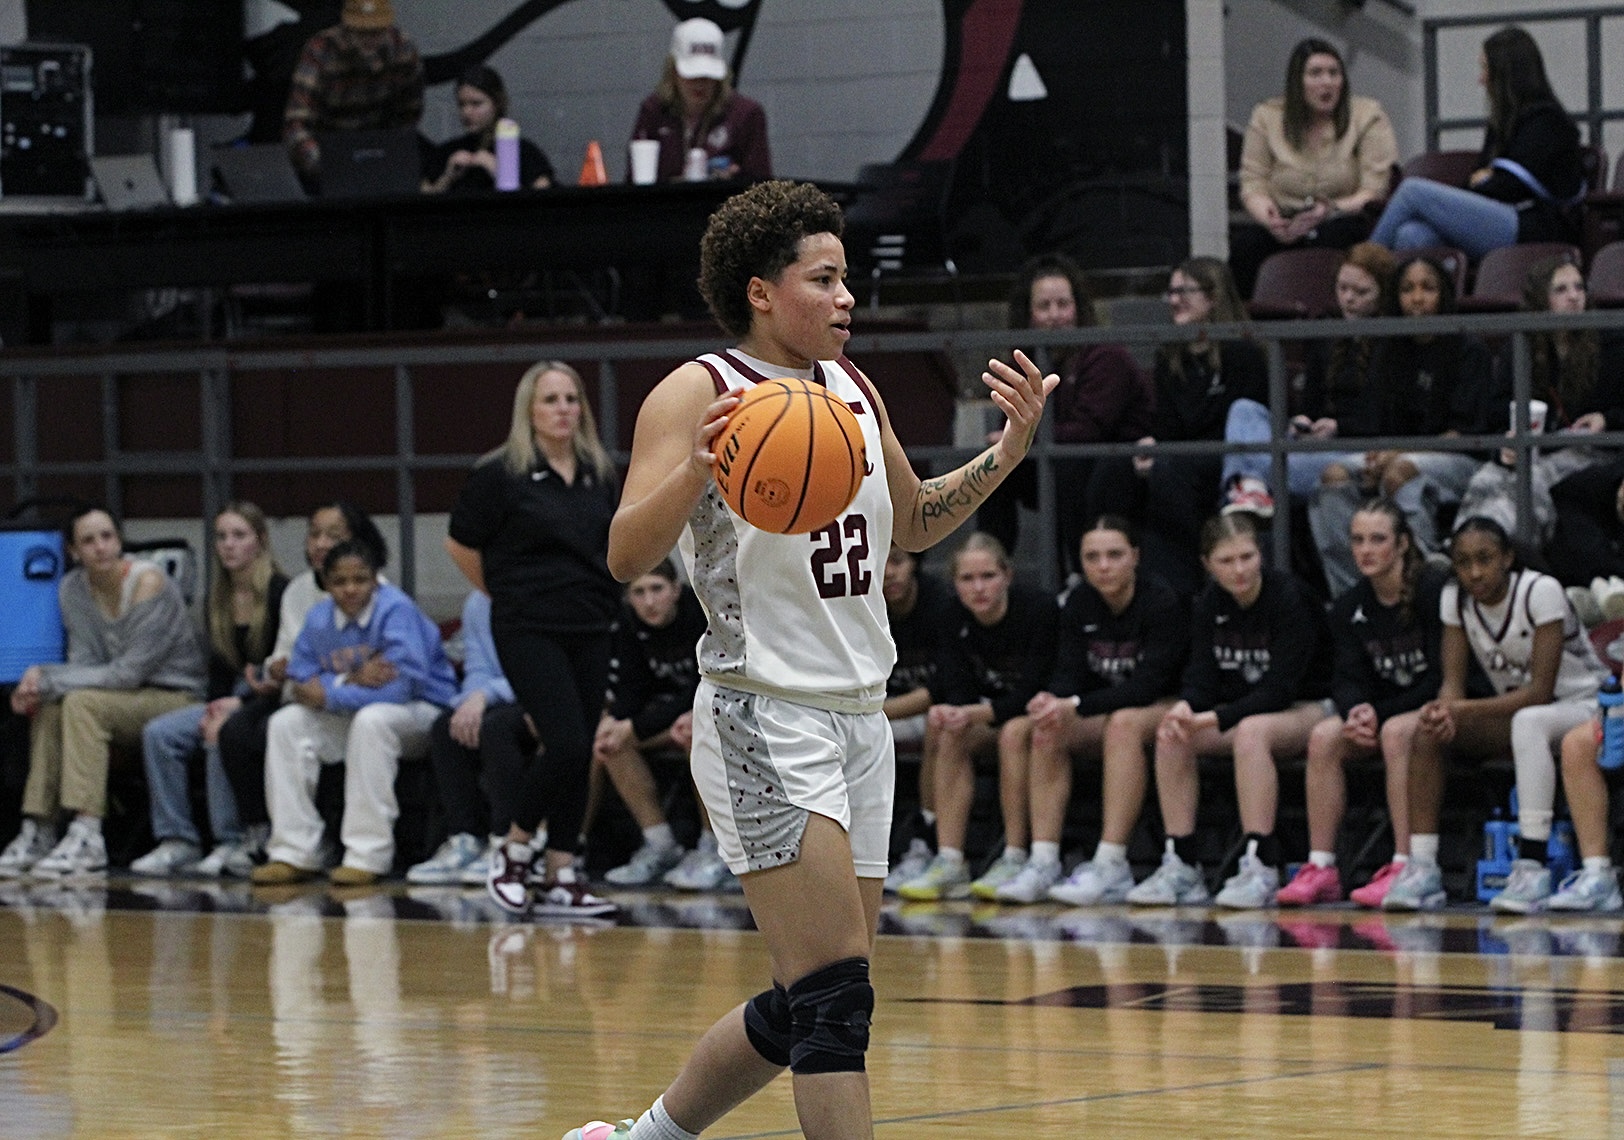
x=1536, y=733
x=370, y=744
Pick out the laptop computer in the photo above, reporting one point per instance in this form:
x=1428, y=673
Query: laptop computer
x=360, y=164
x=129, y=181
x=260, y=172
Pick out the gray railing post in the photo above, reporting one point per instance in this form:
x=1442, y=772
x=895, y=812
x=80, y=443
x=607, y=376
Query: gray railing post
x=1279, y=481
x=405, y=479
x=1522, y=367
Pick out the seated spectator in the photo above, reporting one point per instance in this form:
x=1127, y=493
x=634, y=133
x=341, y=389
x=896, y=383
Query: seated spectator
x=364, y=73
x=467, y=163
x=1313, y=159
x=1386, y=633
x=1594, y=887
x=244, y=606
x=1121, y=643
x=1336, y=394
x=1520, y=629
x=1530, y=181
x=369, y=679
x=1588, y=547
x=484, y=722
x=242, y=736
x=1579, y=376
x=695, y=106
x=133, y=654
x=1253, y=689
x=653, y=674
x=918, y=606
x=1103, y=397
x=1196, y=382
x=996, y=651
x=1423, y=385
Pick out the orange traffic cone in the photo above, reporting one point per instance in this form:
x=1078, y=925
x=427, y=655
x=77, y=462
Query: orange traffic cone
x=592, y=171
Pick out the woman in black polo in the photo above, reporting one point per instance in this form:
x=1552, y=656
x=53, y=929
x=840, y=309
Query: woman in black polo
x=531, y=529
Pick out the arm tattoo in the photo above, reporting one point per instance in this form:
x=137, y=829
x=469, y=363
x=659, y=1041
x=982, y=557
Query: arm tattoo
x=946, y=495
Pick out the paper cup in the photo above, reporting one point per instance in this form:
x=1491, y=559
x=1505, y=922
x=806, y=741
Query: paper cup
x=1536, y=414
x=645, y=161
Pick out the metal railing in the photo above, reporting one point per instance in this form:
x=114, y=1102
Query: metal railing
x=1595, y=113
x=215, y=466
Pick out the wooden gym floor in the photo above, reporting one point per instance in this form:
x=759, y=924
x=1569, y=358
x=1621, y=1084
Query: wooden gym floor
x=140, y=1009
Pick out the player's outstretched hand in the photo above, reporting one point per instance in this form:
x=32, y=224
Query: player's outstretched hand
x=1019, y=393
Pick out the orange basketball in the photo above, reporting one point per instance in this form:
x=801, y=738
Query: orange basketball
x=791, y=457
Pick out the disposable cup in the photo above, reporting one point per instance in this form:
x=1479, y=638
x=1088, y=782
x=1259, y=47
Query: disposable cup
x=645, y=161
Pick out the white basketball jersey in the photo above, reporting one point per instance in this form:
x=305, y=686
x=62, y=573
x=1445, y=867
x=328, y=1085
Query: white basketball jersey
x=797, y=615
x=1502, y=636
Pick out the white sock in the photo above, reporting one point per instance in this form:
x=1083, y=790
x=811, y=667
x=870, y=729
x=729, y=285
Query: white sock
x=1111, y=852
x=1424, y=848
x=1045, y=853
x=1598, y=863
x=89, y=823
x=1015, y=853
x=928, y=816
x=952, y=855
x=707, y=842
x=1322, y=858
x=659, y=836
x=1402, y=858
x=656, y=1124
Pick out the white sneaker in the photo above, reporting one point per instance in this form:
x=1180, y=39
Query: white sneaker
x=701, y=870
x=1586, y=605
x=446, y=865
x=1588, y=890
x=474, y=874
x=645, y=866
x=32, y=844
x=170, y=857
x=1032, y=884
x=941, y=879
x=1174, y=883
x=1001, y=872
x=1609, y=594
x=1095, y=881
x=1251, y=887
x=82, y=851
x=229, y=860
x=1527, y=888
x=910, y=866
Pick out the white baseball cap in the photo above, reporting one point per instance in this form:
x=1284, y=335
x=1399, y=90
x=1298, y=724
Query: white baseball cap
x=696, y=49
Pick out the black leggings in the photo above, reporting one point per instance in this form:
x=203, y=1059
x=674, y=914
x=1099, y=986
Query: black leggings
x=559, y=679
x=505, y=744
x=242, y=754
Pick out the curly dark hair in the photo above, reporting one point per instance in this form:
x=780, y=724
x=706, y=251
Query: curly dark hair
x=758, y=234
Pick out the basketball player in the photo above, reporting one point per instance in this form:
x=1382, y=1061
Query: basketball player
x=791, y=751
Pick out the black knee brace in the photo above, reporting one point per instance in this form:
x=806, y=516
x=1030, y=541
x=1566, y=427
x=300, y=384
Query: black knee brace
x=766, y=1023
x=829, y=1016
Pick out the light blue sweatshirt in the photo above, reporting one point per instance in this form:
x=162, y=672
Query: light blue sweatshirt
x=331, y=646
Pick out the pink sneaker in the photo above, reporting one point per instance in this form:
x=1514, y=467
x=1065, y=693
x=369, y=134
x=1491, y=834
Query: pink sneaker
x=1311, y=885
x=1372, y=893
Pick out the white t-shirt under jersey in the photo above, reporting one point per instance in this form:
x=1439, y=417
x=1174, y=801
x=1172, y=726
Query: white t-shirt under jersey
x=799, y=615
x=1502, y=636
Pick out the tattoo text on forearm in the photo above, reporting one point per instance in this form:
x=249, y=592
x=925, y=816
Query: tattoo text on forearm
x=941, y=498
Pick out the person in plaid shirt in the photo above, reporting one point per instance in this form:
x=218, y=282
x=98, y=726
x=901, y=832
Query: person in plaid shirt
x=364, y=73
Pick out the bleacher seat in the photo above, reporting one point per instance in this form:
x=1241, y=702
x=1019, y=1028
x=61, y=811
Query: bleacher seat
x=1451, y=167
x=1606, y=280
x=1498, y=286
x=1296, y=283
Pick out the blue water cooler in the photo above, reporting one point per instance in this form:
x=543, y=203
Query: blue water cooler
x=31, y=565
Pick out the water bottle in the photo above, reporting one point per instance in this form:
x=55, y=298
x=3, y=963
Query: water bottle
x=1560, y=855
x=507, y=154
x=1610, y=699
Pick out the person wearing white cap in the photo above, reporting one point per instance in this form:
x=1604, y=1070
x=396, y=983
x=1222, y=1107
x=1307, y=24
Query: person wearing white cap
x=695, y=107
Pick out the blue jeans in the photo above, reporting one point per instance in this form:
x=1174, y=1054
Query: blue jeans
x=167, y=744
x=1248, y=422
x=1422, y=212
